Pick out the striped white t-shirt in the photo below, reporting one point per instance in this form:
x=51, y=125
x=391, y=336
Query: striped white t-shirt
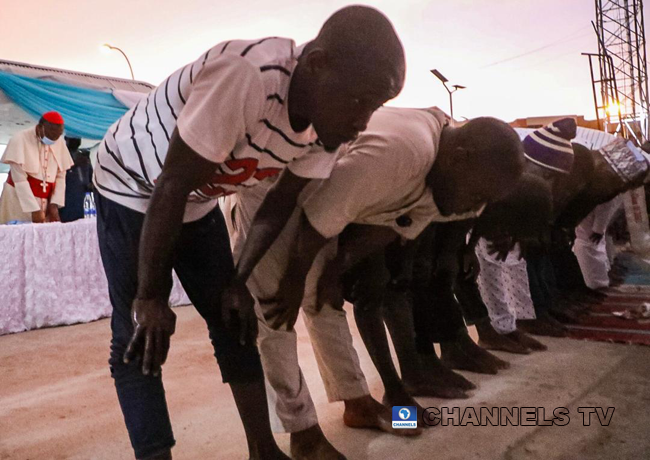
x=230, y=106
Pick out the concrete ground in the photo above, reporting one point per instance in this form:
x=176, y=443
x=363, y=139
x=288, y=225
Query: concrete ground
x=57, y=402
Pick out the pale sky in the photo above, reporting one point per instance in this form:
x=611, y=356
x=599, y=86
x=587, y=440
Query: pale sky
x=475, y=43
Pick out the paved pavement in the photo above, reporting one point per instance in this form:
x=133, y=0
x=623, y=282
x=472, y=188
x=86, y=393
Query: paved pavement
x=57, y=402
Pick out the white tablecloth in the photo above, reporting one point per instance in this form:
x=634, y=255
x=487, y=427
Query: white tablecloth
x=51, y=274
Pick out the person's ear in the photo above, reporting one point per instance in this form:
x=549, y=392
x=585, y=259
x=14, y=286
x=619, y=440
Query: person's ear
x=317, y=61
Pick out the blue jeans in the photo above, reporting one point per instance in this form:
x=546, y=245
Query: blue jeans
x=203, y=262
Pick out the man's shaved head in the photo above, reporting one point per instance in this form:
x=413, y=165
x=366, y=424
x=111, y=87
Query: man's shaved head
x=363, y=39
x=354, y=65
x=496, y=142
x=478, y=163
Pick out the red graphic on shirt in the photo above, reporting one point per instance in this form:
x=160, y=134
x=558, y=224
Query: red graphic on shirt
x=243, y=169
x=262, y=174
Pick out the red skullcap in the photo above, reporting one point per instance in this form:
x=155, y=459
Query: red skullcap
x=53, y=117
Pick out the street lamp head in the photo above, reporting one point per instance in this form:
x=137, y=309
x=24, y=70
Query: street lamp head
x=439, y=76
x=444, y=81
x=107, y=48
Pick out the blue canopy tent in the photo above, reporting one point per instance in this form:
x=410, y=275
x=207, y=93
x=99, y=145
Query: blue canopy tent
x=88, y=113
x=89, y=103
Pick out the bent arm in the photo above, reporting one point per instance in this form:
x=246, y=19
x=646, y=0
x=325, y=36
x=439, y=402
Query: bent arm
x=308, y=244
x=58, y=197
x=184, y=170
x=360, y=241
x=26, y=198
x=276, y=209
x=603, y=215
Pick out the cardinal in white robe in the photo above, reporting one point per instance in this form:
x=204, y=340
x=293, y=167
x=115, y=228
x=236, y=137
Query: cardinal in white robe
x=38, y=159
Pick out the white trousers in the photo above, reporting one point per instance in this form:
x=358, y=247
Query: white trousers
x=593, y=257
x=594, y=262
x=290, y=405
x=504, y=288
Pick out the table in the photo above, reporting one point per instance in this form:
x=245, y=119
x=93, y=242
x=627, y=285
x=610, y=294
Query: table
x=51, y=274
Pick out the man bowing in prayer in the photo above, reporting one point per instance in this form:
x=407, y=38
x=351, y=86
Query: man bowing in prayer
x=38, y=158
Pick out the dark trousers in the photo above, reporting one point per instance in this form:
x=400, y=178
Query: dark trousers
x=566, y=268
x=541, y=279
x=437, y=314
x=470, y=300
x=415, y=269
x=364, y=285
x=431, y=291
x=203, y=262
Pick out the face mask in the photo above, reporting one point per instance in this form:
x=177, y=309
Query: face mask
x=47, y=141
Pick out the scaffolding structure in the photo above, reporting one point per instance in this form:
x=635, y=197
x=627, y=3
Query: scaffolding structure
x=620, y=81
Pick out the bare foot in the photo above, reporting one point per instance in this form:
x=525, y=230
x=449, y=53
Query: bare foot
x=405, y=399
x=365, y=412
x=312, y=444
x=527, y=341
x=480, y=354
x=544, y=325
x=587, y=295
x=464, y=354
x=454, y=357
x=578, y=308
x=490, y=339
x=565, y=315
x=434, y=368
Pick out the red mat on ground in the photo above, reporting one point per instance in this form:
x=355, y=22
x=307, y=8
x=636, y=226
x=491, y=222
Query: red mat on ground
x=604, y=335
x=603, y=324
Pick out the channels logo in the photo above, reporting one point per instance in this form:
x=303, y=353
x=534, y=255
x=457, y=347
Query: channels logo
x=405, y=417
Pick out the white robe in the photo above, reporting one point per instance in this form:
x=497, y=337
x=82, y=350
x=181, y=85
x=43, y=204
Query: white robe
x=25, y=154
x=591, y=256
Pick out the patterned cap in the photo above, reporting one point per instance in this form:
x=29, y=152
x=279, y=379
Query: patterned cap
x=627, y=160
x=550, y=146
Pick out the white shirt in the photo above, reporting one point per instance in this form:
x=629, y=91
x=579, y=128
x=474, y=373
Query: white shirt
x=231, y=107
x=379, y=179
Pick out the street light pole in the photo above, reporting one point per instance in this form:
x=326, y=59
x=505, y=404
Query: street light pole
x=110, y=47
x=444, y=81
